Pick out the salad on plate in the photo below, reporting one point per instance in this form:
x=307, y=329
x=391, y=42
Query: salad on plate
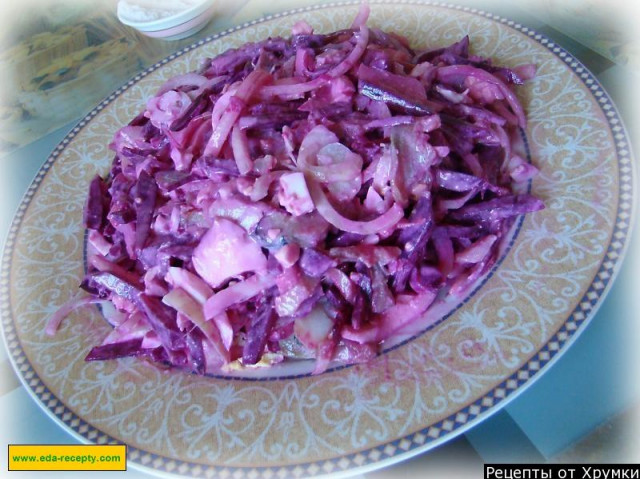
x=308, y=197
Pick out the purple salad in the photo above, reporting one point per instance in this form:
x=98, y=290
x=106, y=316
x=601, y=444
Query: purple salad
x=303, y=197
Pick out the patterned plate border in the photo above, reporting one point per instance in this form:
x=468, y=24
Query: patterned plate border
x=414, y=443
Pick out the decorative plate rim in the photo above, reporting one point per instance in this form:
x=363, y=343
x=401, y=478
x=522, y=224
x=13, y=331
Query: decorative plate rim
x=458, y=422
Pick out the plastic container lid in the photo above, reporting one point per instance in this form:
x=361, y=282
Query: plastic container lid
x=160, y=14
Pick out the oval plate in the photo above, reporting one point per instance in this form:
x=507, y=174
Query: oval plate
x=351, y=419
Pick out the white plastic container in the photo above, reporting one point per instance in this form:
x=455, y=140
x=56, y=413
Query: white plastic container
x=166, y=19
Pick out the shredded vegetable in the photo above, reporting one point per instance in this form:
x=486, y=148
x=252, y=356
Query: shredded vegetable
x=303, y=197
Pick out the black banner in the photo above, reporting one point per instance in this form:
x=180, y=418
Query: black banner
x=562, y=471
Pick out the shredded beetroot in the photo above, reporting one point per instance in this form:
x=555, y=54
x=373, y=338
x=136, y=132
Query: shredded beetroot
x=304, y=197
